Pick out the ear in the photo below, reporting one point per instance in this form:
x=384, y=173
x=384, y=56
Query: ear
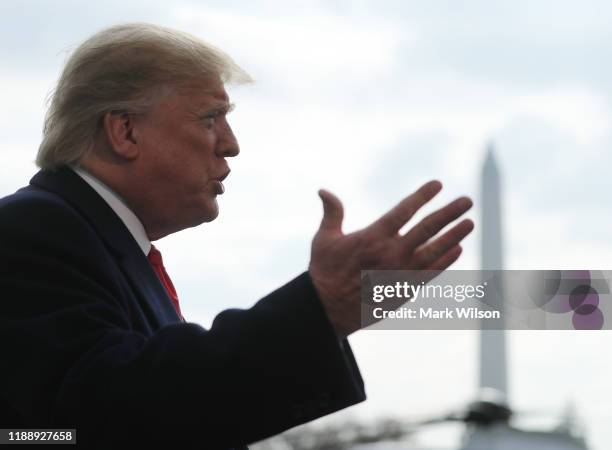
x=119, y=130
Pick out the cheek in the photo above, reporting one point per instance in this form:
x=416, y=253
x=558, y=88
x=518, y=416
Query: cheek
x=193, y=175
x=183, y=162
x=160, y=154
x=200, y=160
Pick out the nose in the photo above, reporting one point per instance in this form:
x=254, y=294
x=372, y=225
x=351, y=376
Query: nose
x=227, y=145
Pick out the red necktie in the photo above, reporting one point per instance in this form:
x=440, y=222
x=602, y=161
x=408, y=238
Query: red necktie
x=155, y=258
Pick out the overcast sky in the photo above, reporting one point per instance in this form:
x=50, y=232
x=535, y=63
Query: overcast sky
x=370, y=99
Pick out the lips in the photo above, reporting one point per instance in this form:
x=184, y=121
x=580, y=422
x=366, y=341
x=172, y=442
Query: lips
x=218, y=182
x=224, y=176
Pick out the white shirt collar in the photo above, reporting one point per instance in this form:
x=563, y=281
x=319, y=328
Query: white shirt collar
x=133, y=224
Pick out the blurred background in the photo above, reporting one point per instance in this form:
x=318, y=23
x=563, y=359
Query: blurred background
x=370, y=99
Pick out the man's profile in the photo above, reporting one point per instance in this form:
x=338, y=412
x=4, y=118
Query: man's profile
x=135, y=147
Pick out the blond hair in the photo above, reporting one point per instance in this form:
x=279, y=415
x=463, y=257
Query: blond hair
x=126, y=68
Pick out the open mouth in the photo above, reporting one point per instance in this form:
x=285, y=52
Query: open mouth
x=218, y=182
x=224, y=176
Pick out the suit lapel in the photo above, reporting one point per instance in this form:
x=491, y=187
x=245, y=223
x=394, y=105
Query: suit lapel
x=152, y=295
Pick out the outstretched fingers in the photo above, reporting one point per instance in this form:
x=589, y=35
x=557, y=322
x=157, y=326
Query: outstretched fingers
x=397, y=217
x=444, y=261
x=431, y=252
x=434, y=222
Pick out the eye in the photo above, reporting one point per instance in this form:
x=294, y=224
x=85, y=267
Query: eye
x=211, y=119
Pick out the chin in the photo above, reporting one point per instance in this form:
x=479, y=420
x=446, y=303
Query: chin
x=212, y=217
x=204, y=212
x=209, y=213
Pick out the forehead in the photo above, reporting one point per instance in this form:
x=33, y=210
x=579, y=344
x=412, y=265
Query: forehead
x=189, y=101
x=204, y=94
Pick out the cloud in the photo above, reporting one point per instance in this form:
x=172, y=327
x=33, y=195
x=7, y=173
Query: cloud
x=36, y=34
x=369, y=100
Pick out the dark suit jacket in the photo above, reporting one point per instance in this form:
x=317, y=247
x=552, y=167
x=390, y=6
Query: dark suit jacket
x=90, y=340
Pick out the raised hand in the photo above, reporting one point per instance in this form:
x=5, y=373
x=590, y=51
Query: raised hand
x=337, y=259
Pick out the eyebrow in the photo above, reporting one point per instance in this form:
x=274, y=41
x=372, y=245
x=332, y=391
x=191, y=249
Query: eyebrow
x=226, y=107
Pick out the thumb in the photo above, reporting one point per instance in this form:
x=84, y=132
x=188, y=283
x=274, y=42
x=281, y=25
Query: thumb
x=333, y=212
